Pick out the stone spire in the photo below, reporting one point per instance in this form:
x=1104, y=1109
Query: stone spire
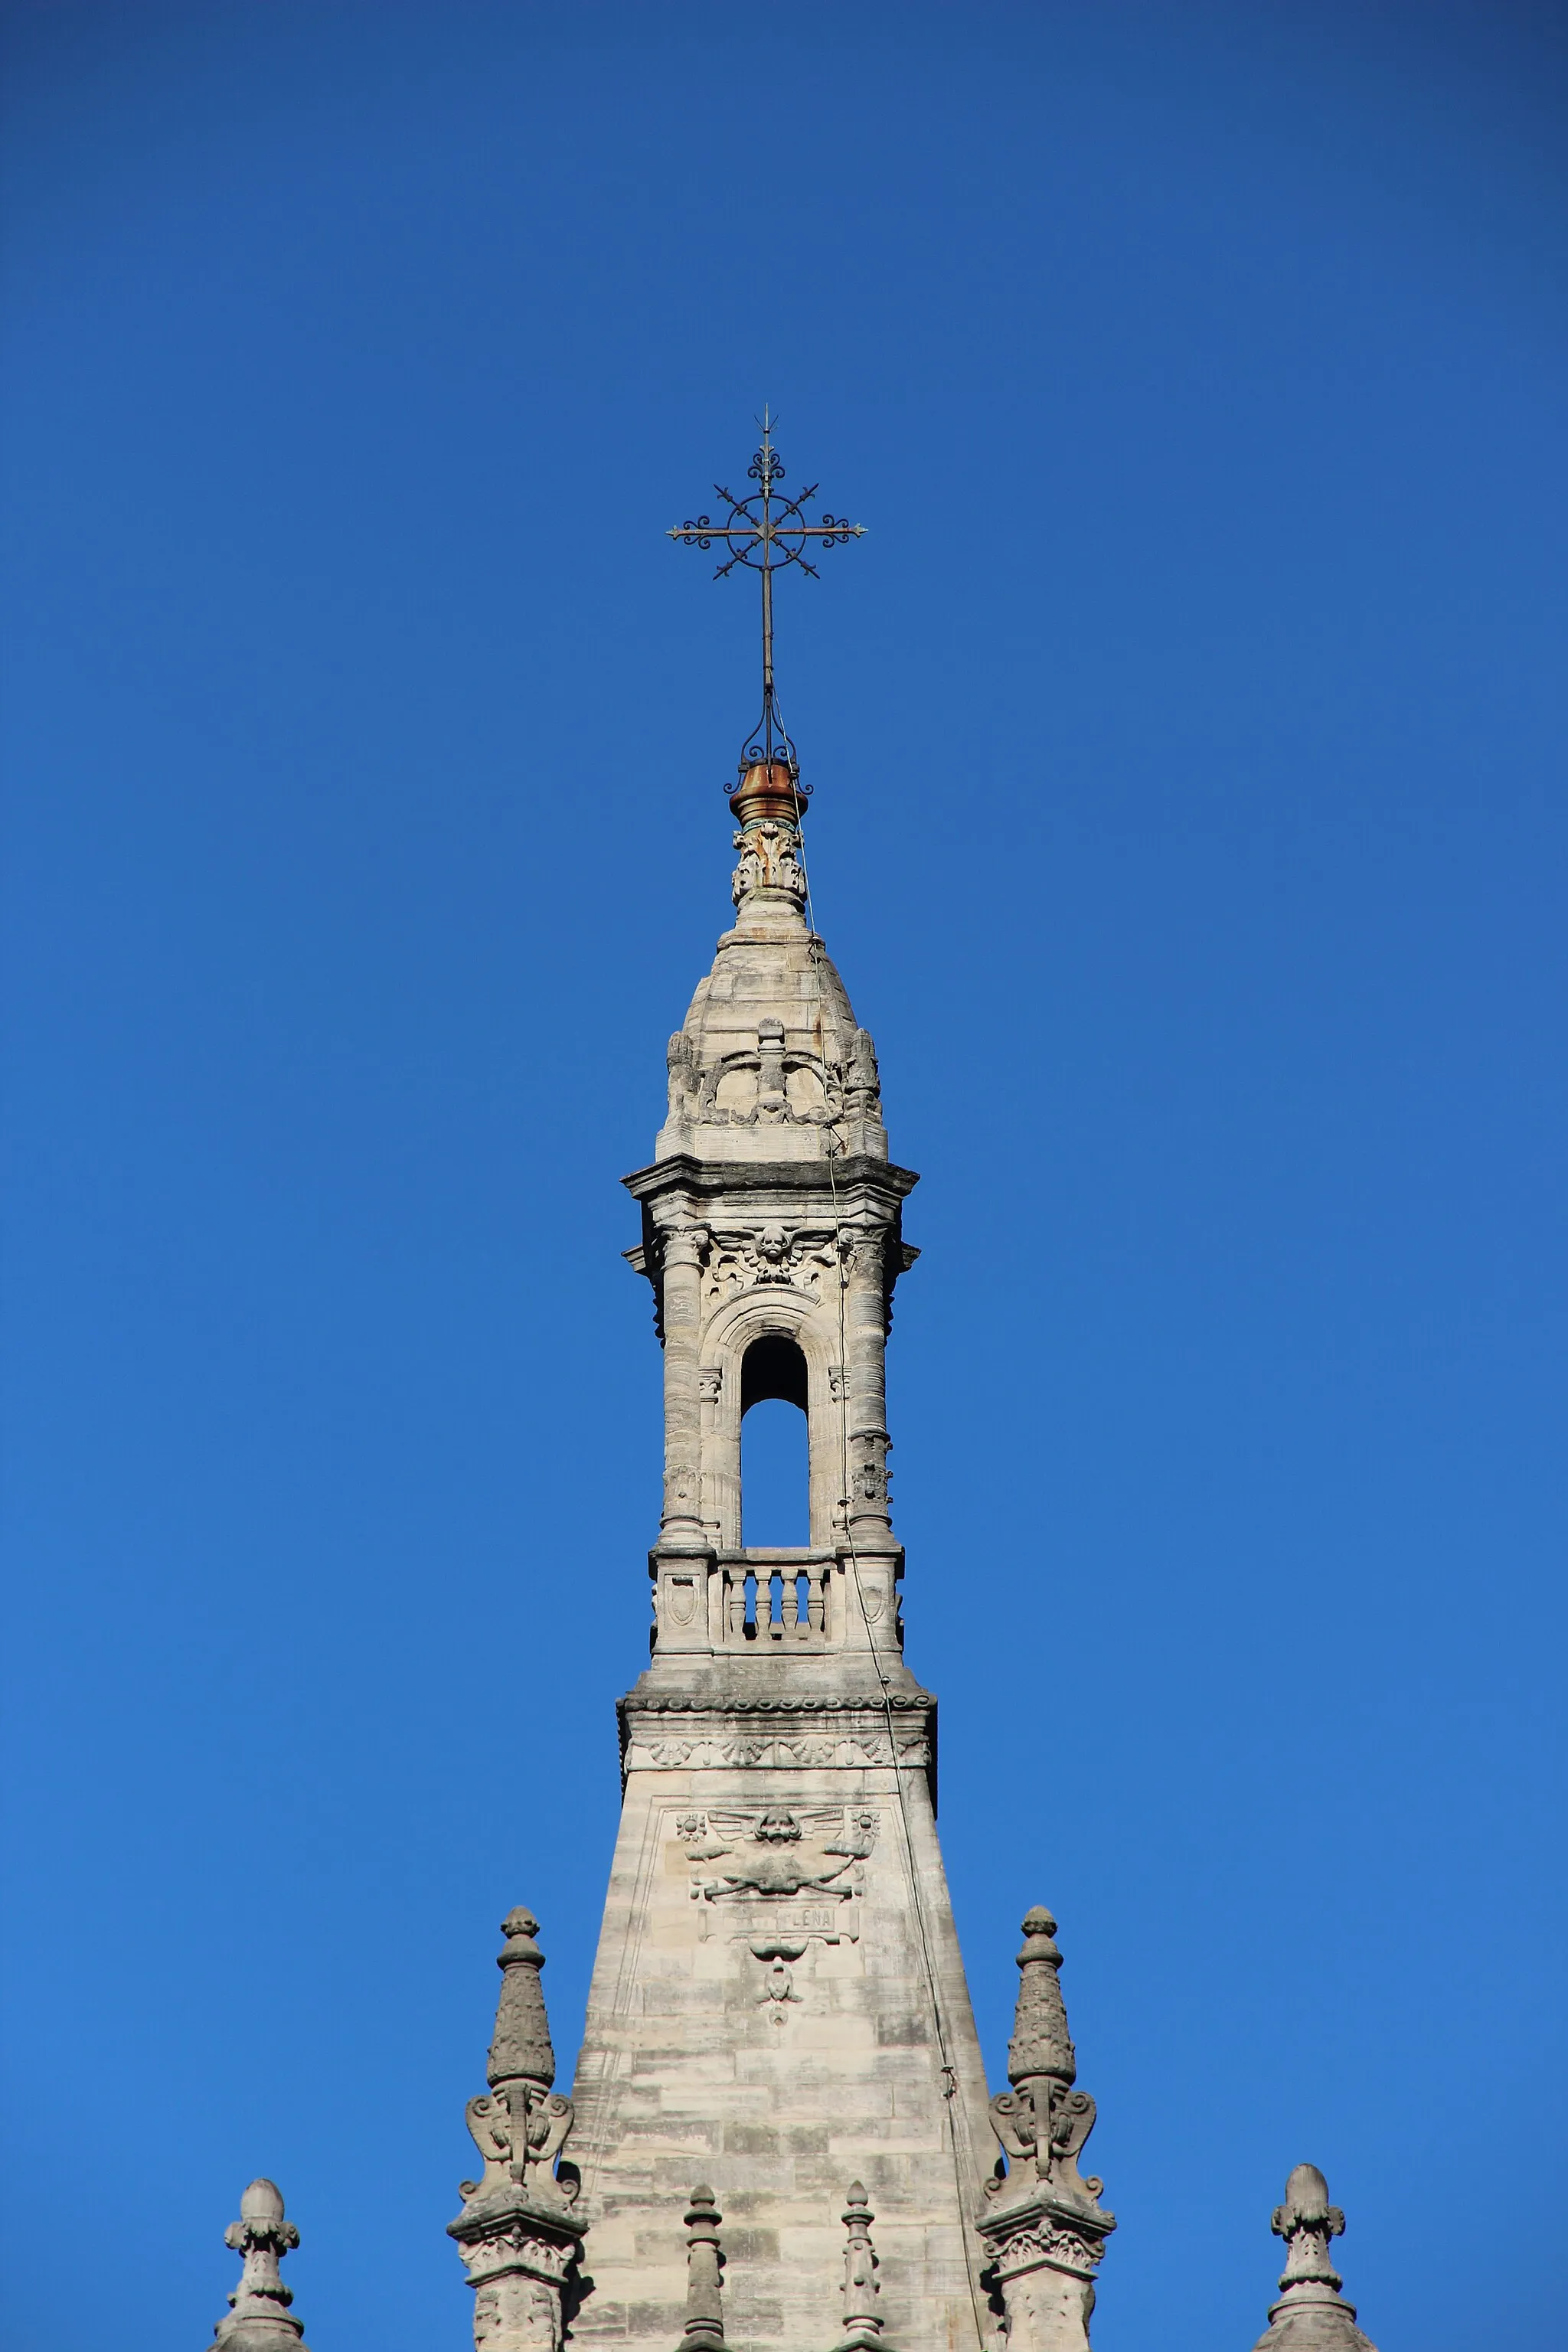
x=704, y=2329
x=258, y=2318
x=1311, y=2316
x=1041, y=2044
x=1045, y=2227
x=862, y=2289
x=521, y=2050
x=778, y=1963
x=517, y=2234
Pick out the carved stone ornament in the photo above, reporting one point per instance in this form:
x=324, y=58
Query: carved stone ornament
x=1311, y=2316
x=699, y=1751
x=681, y=1482
x=1044, y=2227
x=513, y=2244
x=518, y=2131
x=1041, y=2044
x=520, y=2044
x=516, y=2313
x=1043, y=2257
x=801, y=1260
x=1047, y=2238
x=673, y=1734
x=769, y=861
x=1043, y=2127
x=685, y=1077
x=259, y=2315
x=862, y=2288
x=517, y=2234
x=704, y=2329
x=779, y=1878
x=868, y=1477
x=777, y=1085
x=1048, y=2309
x=782, y=1852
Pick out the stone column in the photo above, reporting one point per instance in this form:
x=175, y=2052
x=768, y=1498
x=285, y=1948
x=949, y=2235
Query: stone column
x=517, y=2234
x=259, y=2317
x=682, y=1559
x=878, y=1557
x=1045, y=2227
x=683, y=1246
x=865, y=1340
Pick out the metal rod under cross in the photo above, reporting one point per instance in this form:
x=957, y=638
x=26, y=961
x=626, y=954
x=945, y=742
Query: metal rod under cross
x=763, y=531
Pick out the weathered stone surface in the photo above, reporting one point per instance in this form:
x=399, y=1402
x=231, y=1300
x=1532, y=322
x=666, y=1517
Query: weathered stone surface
x=764, y=2014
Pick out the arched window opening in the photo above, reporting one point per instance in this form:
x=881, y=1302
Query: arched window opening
x=772, y=1366
x=776, y=1456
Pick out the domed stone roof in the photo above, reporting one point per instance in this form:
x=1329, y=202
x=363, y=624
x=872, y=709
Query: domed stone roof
x=769, y=1064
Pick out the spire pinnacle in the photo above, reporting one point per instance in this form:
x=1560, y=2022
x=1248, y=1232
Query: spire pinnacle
x=764, y=531
x=258, y=2318
x=1311, y=2316
x=704, y=2329
x=517, y=2234
x=1042, y=2122
x=862, y=2288
x=521, y=2046
x=1041, y=2044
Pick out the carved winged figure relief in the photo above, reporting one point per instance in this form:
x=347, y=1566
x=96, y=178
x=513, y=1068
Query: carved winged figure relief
x=784, y=1854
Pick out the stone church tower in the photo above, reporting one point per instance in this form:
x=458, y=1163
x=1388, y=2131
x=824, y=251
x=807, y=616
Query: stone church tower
x=778, y=2012
x=779, y=2136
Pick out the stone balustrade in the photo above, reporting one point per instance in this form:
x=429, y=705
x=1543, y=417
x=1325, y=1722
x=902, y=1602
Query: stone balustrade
x=779, y=1596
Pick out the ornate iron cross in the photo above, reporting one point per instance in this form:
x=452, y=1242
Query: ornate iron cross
x=765, y=531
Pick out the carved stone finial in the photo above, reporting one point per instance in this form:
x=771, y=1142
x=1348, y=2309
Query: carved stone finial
x=770, y=874
x=704, y=2273
x=862, y=2289
x=1045, y=2227
x=1311, y=2316
x=1041, y=2044
x=258, y=2318
x=1043, y=2123
x=517, y=2234
x=521, y=2046
x=862, y=1083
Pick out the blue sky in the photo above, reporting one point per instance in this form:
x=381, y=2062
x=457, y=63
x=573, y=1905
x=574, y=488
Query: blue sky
x=1189, y=827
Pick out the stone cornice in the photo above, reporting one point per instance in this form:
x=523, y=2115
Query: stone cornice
x=485, y=2218
x=673, y=1731
x=1044, y=2232
x=676, y=1703
x=683, y=1171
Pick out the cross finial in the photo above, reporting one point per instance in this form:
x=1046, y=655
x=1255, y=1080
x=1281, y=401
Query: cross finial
x=765, y=531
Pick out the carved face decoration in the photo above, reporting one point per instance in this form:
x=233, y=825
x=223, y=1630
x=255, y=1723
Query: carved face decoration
x=775, y=1828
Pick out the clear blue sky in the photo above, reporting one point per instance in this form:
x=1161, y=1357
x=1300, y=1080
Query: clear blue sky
x=1190, y=827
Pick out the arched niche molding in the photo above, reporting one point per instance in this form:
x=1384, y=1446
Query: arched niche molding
x=760, y=1316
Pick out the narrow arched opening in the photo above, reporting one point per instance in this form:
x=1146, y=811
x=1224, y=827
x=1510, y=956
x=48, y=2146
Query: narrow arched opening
x=775, y=1447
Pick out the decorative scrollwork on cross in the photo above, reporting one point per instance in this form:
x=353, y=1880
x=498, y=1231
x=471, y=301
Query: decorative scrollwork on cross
x=763, y=531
